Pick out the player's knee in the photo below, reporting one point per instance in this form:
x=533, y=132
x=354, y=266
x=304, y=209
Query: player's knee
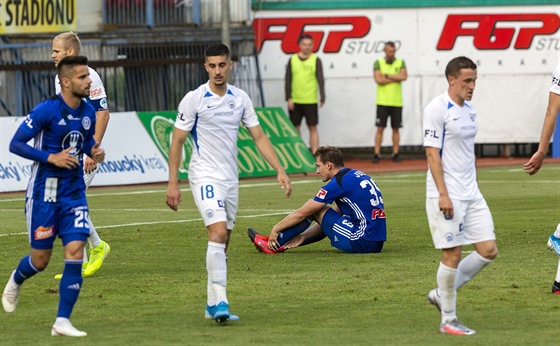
x=490, y=254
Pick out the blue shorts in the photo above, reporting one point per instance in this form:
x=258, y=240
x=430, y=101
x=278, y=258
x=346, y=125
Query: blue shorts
x=340, y=230
x=46, y=220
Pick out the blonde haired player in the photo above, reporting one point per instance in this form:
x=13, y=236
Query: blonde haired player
x=536, y=161
x=68, y=44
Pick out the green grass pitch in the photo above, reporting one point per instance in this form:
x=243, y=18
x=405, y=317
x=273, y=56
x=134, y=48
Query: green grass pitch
x=152, y=288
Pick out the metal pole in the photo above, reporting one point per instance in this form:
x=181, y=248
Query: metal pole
x=225, y=24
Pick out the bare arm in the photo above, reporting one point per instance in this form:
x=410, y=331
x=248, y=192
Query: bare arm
x=173, y=196
x=398, y=77
x=267, y=151
x=380, y=78
x=320, y=81
x=307, y=210
x=102, y=119
x=535, y=163
x=436, y=167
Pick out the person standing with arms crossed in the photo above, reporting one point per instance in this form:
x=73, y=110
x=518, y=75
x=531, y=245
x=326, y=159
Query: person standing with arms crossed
x=212, y=114
x=56, y=202
x=68, y=44
x=304, y=75
x=457, y=212
x=388, y=72
x=535, y=163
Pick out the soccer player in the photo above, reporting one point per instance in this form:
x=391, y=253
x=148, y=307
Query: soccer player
x=535, y=163
x=68, y=44
x=212, y=114
x=56, y=194
x=356, y=224
x=457, y=212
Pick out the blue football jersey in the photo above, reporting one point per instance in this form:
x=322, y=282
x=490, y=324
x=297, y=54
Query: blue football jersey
x=55, y=127
x=359, y=198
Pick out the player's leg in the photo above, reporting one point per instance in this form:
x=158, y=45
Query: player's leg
x=41, y=239
x=478, y=228
x=312, y=120
x=396, y=124
x=74, y=232
x=556, y=284
x=554, y=244
x=296, y=116
x=98, y=248
x=447, y=236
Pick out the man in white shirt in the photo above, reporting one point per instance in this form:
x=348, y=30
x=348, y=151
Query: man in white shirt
x=68, y=44
x=457, y=212
x=536, y=161
x=212, y=114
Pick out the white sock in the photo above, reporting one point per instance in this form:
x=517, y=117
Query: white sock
x=558, y=272
x=557, y=232
x=93, y=239
x=61, y=320
x=469, y=267
x=216, y=266
x=447, y=292
x=85, y=256
x=211, y=298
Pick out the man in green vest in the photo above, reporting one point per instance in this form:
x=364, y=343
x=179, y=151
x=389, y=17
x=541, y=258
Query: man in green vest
x=388, y=73
x=304, y=77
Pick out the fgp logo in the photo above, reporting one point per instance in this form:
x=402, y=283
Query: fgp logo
x=490, y=32
x=288, y=30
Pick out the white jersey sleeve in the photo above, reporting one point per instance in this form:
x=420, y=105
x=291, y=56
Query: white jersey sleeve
x=555, y=88
x=434, y=123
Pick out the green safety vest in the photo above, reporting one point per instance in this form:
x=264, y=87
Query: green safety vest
x=304, y=79
x=390, y=94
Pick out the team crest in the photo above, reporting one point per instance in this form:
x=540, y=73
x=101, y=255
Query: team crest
x=209, y=213
x=322, y=194
x=231, y=104
x=74, y=140
x=472, y=116
x=449, y=237
x=103, y=103
x=86, y=123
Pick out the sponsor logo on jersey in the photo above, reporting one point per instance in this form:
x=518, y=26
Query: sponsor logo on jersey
x=71, y=117
x=222, y=114
x=43, y=232
x=86, y=123
x=96, y=93
x=431, y=133
x=74, y=140
x=322, y=194
x=210, y=106
x=377, y=213
x=220, y=203
x=555, y=81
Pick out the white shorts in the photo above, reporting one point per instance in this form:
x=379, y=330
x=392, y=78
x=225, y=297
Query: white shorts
x=216, y=201
x=472, y=223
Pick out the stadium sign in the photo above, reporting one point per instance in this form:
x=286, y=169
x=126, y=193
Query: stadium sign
x=292, y=153
x=37, y=16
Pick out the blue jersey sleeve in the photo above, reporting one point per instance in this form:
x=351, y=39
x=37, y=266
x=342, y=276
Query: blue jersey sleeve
x=30, y=127
x=329, y=192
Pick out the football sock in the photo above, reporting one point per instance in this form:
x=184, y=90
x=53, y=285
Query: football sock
x=24, y=270
x=557, y=232
x=211, y=298
x=469, y=267
x=70, y=286
x=447, y=292
x=216, y=266
x=558, y=272
x=93, y=239
x=291, y=232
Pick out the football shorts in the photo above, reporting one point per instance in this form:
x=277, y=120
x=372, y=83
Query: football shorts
x=216, y=201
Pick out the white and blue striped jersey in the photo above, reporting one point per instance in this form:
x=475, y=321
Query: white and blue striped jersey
x=97, y=94
x=55, y=127
x=555, y=87
x=213, y=122
x=452, y=129
x=358, y=197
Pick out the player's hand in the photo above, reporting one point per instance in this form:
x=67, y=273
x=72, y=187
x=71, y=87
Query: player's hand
x=64, y=159
x=97, y=153
x=446, y=207
x=173, y=196
x=285, y=183
x=89, y=165
x=294, y=242
x=534, y=164
x=273, y=240
x=291, y=105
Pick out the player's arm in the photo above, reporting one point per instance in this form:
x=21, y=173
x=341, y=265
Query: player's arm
x=552, y=110
x=173, y=196
x=267, y=151
x=436, y=167
x=320, y=81
x=398, y=77
x=307, y=210
x=288, y=85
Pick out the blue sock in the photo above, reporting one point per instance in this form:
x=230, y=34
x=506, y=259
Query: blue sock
x=24, y=270
x=313, y=239
x=70, y=286
x=291, y=232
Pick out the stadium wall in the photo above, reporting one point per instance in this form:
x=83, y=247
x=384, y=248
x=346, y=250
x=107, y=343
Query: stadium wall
x=516, y=49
